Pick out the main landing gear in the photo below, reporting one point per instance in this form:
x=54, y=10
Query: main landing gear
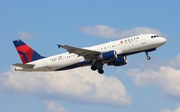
x=93, y=67
x=98, y=67
x=147, y=54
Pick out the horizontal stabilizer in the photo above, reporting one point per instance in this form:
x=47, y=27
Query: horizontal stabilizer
x=24, y=65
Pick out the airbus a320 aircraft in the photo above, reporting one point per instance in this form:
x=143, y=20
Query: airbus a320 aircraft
x=112, y=53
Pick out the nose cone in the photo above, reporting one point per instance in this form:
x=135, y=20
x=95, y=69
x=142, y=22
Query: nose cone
x=162, y=41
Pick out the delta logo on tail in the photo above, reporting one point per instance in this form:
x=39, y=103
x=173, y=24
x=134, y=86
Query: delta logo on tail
x=26, y=53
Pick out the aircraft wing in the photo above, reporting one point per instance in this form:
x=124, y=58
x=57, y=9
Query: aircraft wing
x=23, y=65
x=87, y=54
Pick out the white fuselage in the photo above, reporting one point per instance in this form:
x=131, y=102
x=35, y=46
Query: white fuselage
x=126, y=46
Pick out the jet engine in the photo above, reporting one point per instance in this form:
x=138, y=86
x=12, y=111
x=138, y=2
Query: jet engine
x=106, y=56
x=118, y=62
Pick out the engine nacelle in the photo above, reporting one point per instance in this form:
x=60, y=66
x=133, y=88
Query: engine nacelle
x=108, y=55
x=118, y=62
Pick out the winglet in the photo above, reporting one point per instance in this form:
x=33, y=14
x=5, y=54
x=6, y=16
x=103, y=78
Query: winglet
x=58, y=45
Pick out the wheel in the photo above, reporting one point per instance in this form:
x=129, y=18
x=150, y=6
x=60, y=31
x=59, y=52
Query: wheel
x=101, y=71
x=148, y=57
x=93, y=68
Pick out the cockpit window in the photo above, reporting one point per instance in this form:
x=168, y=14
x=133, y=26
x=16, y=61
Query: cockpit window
x=154, y=36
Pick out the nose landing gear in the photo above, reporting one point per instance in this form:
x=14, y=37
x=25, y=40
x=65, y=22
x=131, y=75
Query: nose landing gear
x=147, y=54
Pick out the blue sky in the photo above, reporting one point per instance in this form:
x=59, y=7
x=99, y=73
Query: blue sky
x=139, y=86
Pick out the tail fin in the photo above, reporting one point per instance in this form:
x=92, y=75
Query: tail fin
x=26, y=53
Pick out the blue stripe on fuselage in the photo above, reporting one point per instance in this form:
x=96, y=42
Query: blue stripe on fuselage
x=83, y=63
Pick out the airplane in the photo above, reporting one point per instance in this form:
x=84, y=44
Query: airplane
x=111, y=53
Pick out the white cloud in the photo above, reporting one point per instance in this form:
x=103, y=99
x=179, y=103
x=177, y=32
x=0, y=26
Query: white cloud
x=25, y=35
x=177, y=109
x=175, y=62
x=166, y=77
x=78, y=85
x=168, y=110
x=109, y=32
x=53, y=106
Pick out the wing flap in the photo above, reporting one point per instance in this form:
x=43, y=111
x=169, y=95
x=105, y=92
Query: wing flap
x=24, y=65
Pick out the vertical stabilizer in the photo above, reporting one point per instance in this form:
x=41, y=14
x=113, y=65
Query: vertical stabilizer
x=26, y=53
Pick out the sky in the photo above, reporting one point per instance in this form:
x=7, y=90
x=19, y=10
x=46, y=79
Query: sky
x=140, y=86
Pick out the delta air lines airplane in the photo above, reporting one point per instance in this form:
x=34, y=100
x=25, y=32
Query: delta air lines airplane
x=112, y=53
